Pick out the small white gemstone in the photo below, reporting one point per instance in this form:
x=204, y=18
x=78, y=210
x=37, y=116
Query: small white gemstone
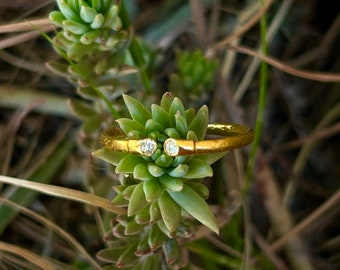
x=171, y=148
x=148, y=147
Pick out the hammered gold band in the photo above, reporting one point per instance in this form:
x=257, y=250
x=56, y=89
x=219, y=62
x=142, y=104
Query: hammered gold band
x=234, y=136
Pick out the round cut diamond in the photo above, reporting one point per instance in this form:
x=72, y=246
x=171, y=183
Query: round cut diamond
x=171, y=148
x=148, y=147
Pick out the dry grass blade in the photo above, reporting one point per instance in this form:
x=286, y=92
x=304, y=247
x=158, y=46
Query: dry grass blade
x=310, y=75
x=26, y=254
x=63, y=234
x=24, y=26
x=280, y=217
x=333, y=201
x=61, y=192
x=314, y=137
x=275, y=259
x=249, y=24
x=9, y=135
x=15, y=40
x=197, y=9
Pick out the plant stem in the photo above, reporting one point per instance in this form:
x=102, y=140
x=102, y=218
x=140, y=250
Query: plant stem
x=261, y=104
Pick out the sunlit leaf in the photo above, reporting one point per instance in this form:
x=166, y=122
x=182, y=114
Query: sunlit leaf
x=137, y=200
x=200, y=123
x=193, y=203
x=127, y=125
x=198, y=169
x=166, y=100
x=136, y=109
x=109, y=155
x=170, y=211
x=141, y=172
x=152, y=189
x=160, y=115
x=171, y=183
x=128, y=163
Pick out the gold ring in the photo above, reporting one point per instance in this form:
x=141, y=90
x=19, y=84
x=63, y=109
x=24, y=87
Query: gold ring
x=234, y=136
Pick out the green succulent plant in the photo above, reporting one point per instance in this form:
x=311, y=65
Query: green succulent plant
x=194, y=76
x=88, y=25
x=160, y=191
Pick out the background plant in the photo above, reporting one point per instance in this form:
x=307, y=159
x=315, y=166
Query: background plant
x=153, y=69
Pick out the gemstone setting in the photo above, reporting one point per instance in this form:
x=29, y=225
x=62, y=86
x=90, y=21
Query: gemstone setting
x=170, y=147
x=147, y=147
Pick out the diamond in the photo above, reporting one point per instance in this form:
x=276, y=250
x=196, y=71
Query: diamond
x=171, y=148
x=147, y=147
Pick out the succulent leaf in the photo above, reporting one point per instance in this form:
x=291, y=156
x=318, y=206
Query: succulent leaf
x=200, y=123
x=152, y=125
x=171, y=183
x=198, y=169
x=128, y=163
x=190, y=115
x=200, y=188
x=180, y=171
x=87, y=14
x=98, y=21
x=196, y=206
x=152, y=189
x=156, y=237
x=160, y=115
x=136, y=109
x=176, y=109
x=172, y=133
x=68, y=11
x=141, y=172
x=127, y=257
x=137, y=200
x=127, y=125
x=57, y=18
x=155, y=212
x=109, y=155
x=171, y=250
x=133, y=228
x=181, y=125
x=75, y=27
x=170, y=211
x=163, y=161
x=155, y=170
x=167, y=100
x=143, y=216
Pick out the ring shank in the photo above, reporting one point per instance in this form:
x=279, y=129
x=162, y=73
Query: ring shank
x=234, y=136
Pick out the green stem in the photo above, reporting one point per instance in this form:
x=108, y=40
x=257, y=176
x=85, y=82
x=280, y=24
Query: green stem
x=113, y=111
x=261, y=104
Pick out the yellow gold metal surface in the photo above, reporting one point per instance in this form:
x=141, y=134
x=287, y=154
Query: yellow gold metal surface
x=234, y=136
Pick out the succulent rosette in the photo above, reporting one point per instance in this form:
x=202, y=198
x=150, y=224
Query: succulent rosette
x=195, y=74
x=88, y=25
x=160, y=192
x=172, y=185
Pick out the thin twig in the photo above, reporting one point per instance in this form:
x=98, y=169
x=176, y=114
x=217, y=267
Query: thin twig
x=63, y=234
x=312, y=138
x=333, y=201
x=252, y=68
x=243, y=29
x=310, y=75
